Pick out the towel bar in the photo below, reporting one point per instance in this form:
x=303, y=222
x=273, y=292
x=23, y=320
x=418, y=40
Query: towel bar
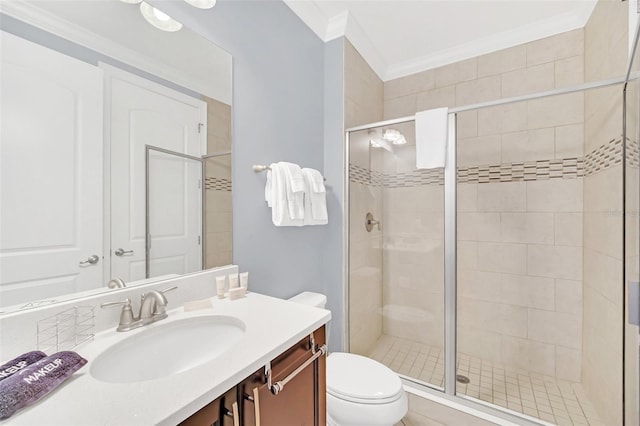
x=263, y=168
x=278, y=386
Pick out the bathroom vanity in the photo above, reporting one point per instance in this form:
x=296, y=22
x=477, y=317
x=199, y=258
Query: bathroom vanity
x=171, y=384
x=254, y=401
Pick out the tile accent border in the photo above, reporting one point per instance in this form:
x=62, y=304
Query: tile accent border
x=604, y=157
x=217, y=184
x=633, y=154
x=566, y=168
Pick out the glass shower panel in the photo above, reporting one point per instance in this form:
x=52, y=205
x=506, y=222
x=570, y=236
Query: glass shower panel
x=218, y=221
x=521, y=172
x=632, y=252
x=396, y=296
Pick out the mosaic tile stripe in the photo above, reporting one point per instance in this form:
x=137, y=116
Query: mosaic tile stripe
x=364, y=176
x=605, y=156
x=602, y=158
x=566, y=168
x=633, y=154
x=415, y=178
x=217, y=184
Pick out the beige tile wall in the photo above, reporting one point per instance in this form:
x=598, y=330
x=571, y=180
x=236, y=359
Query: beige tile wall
x=218, y=208
x=519, y=243
x=605, y=57
x=363, y=104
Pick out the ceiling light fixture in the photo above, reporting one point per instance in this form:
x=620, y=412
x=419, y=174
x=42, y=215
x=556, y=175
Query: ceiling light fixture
x=159, y=19
x=377, y=142
x=394, y=136
x=131, y=1
x=202, y=4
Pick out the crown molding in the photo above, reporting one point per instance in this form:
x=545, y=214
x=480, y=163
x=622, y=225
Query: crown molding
x=359, y=39
x=524, y=34
x=346, y=25
x=44, y=20
x=311, y=16
x=337, y=26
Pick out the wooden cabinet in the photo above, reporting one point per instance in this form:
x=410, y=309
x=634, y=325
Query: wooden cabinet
x=297, y=397
x=220, y=412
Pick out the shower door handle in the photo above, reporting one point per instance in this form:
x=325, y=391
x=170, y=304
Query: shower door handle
x=633, y=302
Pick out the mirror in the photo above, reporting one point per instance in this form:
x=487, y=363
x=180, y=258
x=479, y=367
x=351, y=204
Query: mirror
x=127, y=71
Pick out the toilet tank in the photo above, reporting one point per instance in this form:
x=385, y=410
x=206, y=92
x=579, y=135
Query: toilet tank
x=309, y=298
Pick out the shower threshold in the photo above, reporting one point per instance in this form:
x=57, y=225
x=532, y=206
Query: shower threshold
x=536, y=395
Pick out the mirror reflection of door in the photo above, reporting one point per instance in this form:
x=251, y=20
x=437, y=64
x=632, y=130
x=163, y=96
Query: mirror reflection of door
x=145, y=113
x=51, y=173
x=174, y=214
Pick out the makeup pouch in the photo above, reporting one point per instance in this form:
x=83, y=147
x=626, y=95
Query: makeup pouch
x=37, y=380
x=20, y=362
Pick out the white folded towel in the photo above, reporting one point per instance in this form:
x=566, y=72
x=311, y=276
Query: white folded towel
x=277, y=199
x=315, y=205
x=268, y=187
x=295, y=189
x=431, y=138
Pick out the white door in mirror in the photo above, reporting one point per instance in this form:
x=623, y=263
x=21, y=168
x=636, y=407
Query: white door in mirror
x=51, y=173
x=145, y=113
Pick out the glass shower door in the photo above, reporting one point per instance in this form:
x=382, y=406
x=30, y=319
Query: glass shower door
x=396, y=269
x=523, y=198
x=632, y=252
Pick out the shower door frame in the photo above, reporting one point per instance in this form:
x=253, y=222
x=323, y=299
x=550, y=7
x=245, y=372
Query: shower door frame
x=450, y=248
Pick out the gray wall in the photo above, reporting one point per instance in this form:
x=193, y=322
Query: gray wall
x=279, y=115
x=334, y=172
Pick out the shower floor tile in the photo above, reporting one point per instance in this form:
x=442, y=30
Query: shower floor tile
x=544, y=397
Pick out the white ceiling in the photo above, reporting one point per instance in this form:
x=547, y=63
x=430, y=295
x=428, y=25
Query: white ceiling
x=398, y=37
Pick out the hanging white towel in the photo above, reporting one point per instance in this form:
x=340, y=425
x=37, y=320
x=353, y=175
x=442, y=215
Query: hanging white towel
x=431, y=138
x=278, y=196
x=268, y=186
x=315, y=203
x=294, y=189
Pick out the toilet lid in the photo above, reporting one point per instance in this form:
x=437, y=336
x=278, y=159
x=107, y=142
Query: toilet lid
x=360, y=379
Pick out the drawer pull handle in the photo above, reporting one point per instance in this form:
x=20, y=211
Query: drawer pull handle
x=233, y=413
x=256, y=404
x=278, y=386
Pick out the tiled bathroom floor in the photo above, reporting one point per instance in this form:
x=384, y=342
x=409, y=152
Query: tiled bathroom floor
x=544, y=397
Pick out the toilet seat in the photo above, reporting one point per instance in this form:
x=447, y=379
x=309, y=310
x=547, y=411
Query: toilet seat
x=361, y=380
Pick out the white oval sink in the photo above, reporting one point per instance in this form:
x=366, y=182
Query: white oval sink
x=167, y=348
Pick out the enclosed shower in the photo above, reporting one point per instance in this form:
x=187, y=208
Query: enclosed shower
x=501, y=280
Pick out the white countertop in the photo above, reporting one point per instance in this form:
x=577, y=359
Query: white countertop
x=272, y=326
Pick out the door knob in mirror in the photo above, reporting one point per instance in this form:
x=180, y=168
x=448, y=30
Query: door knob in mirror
x=122, y=252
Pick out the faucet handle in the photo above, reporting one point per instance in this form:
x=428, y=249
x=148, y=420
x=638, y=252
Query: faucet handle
x=160, y=309
x=124, y=303
x=126, y=316
x=175, y=287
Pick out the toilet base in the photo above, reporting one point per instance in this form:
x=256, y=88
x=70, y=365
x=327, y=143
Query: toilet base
x=345, y=413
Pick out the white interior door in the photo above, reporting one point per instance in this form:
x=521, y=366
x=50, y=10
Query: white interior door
x=51, y=173
x=141, y=113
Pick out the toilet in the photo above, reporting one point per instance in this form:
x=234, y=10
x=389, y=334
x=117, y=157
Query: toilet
x=360, y=390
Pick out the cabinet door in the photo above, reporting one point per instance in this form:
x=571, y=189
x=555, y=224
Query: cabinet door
x=303, y=399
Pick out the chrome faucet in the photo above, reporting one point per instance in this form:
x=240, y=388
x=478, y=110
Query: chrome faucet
x=152, y=308
x=116, y=283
